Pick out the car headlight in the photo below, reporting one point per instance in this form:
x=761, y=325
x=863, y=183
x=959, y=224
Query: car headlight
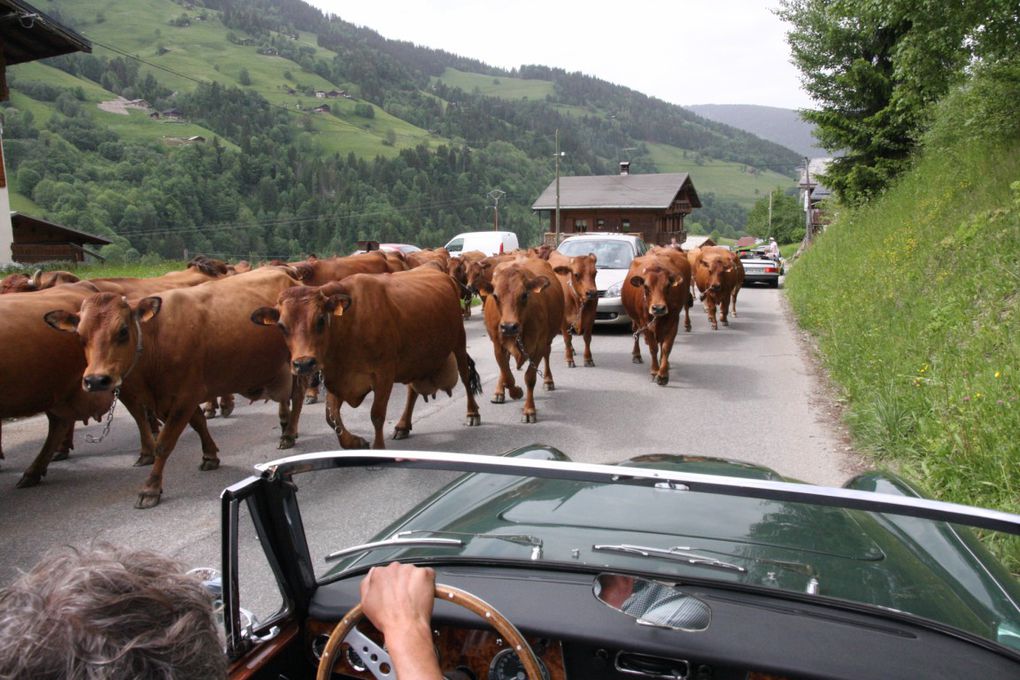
x=615, y=290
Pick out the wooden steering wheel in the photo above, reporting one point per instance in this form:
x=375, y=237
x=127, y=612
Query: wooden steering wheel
x=377, y=660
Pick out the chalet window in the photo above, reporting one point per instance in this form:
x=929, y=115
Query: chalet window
x=624, y=224
x=580, y=225
x=600, y=223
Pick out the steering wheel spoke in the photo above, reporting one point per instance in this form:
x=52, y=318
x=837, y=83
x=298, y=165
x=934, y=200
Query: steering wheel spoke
x=373, y=656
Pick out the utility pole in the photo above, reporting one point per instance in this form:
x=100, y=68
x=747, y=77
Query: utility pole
x=495, y=195
x=807, y=201
x=770, y=211
x=556, y=241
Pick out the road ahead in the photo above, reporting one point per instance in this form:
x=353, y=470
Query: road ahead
x=743, y=392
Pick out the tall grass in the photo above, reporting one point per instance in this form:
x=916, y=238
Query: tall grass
x=915, y=300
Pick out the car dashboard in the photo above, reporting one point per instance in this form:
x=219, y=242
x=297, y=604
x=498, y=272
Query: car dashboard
x=751, y=635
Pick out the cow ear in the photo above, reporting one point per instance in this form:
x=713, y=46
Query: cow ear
x=338, y=303
x=565, y=271
x=539, y=283
x=62, y=321
x=148, y=308
x=594, y=258
x=729, y=269
x=675, y=282
x=637, y=281
x=265, y=316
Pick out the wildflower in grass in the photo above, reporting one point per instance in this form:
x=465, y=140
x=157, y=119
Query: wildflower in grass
x=967, y=398
x=998, y=374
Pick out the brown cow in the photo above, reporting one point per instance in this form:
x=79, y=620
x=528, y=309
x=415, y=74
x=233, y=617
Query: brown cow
x=714, y=273
x=41, y=369
x=369, y=331
x=40, y=280
x=480, y=271
x=458, y=269
x=420, y=257
x=656, y=289
x=166, y=354
x=317, y=272
x=580, y=300
x=523, y=313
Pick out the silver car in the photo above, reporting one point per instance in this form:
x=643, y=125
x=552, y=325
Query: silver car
x=760, y=268
x=614, y=253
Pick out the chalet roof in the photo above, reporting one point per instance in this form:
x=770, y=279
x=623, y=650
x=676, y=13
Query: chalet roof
x=693, y=242
x=26, y=34
x=652, y=191
x=20, y=221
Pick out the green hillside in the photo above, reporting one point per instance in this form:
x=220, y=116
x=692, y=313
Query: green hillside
x=497, y=86
x=914, y=300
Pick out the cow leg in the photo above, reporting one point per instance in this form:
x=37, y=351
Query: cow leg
x=665, y=348
x=547, y=380
x=226, y=405
x=472, y=385
x=209, y=409
x=64, y=450
x=289, y=417
x=34, y=473
x=588, y=359
x=710, y=308
x=653, y=353
x=403, y=427
x=735, y=291
x=148, y=496
x=382, y=390
x=506, y=377
x=688, y=303
x=344, y=436
x=312, y=393
x=1, y=442
x=530, y=414
x=635, y=353
x=725, y=305
x=568, y=348
x=143, y=421
x=210, y=459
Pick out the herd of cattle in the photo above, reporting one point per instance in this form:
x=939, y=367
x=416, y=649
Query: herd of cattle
x=172, y=348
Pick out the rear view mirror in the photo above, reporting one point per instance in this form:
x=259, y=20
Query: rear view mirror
x=652, y=603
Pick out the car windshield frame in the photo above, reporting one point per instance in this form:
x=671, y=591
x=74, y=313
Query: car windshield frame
x=578, y=244
x=640, y=559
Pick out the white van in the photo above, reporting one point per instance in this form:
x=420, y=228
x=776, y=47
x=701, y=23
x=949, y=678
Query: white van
x=489, y=242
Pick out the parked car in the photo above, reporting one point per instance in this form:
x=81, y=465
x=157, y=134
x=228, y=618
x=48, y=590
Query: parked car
x=662, y=566
x=489, y=242
x=366, y=246
x=613, y=255
x=760, y=268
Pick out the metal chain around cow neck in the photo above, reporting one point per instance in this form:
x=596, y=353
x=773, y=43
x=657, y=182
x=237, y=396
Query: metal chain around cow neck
x=109, y=421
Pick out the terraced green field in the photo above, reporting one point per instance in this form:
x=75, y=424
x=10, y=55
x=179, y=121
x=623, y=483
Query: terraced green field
x=505, y=88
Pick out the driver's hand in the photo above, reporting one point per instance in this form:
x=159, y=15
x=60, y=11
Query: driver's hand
x=398, y=599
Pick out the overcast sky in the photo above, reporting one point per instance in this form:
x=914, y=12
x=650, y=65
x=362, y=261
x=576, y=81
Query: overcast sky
x=682, y=51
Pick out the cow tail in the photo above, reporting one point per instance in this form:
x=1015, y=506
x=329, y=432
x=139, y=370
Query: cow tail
x=474, y=383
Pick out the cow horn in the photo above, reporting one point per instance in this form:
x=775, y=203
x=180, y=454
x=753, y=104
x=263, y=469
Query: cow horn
x=37, y=279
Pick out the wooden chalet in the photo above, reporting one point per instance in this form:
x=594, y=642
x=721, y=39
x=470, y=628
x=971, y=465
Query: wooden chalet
x=37, y=240
x=26, y=34
x=651, y=205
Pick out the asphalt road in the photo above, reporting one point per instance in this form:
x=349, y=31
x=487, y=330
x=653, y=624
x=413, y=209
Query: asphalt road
x=744, y=392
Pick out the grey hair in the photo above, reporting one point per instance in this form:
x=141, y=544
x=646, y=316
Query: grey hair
x=108, y=613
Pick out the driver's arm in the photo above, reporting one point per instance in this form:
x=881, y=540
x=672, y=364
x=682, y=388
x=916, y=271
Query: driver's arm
x=398, y=599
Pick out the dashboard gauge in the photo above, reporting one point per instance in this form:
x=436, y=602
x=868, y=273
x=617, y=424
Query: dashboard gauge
x=506, y=666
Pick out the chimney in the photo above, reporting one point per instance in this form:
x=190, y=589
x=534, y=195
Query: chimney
x=624, y=167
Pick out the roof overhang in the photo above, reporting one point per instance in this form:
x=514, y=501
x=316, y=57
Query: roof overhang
x=28, y=34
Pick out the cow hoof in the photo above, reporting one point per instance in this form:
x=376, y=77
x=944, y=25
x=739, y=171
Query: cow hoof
x=209, y=464
x=687, y=329
x=147, y=499
x=356, y=442
x=401, y=433
x=529, y=418
x=498, y=399
x=636, y=360
x=516, y=392
x=661, y=380
x=286, y=441
x=725, y=322
x=61, y=455
x=473, y=420
x=27, y=481
x=225, y=411
x=588, y=363
x=311, y=400
x=571, y=364
x=549, y=387
x=145, y=459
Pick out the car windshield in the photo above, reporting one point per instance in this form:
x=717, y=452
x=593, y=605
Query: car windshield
x=610, y=254
x=658, y=518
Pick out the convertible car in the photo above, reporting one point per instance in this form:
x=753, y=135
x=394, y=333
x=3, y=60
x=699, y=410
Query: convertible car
x=661, y=566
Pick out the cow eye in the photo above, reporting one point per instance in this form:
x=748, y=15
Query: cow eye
x=122, y=334
x=320, y=323
x=524, y=297
x=283, y=329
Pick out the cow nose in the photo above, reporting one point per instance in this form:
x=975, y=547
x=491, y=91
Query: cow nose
x=592, y=294
x=510, y=328
x=658, y=310
x=304, y=365
x=96, y=383
x=716, y=288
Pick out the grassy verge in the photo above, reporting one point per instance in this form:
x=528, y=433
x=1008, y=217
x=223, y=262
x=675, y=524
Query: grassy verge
x=914, y=300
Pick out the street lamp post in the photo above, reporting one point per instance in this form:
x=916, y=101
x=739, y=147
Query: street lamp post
x=495, y=195
x=559, y=154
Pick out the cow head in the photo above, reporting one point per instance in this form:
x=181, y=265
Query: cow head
x=111, y=333
x=511, y=289
x=304, y=315
x=713, y=267
x=479, y=272
x=655, y=282
x=16, y=283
